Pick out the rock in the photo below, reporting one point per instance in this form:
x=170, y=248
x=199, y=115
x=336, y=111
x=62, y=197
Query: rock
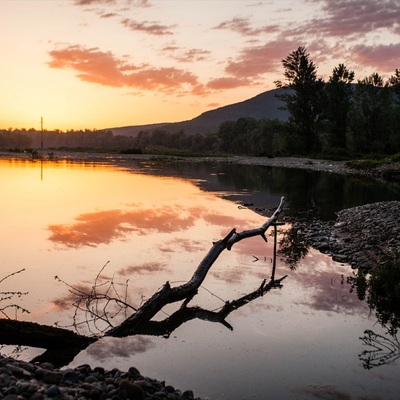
x=52, y=377
x=132, y=390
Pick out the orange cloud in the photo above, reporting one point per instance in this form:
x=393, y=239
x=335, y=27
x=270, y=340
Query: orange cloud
x=228, y=83
x=95, y=66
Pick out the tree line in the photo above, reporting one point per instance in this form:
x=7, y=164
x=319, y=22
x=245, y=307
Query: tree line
x=337, y=117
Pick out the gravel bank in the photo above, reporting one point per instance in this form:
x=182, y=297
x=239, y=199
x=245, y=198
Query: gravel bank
x=22, y=380
x=360, y=236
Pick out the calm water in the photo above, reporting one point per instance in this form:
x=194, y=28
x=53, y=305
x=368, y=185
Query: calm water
x=153, y=223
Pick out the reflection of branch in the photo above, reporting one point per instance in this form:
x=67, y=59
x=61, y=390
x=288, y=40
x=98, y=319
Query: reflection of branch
x=185, y=314
x=385, y=349
x=10, y=295
x=167, y=294
x=99, y=306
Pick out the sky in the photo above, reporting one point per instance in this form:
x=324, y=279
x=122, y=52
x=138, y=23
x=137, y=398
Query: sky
x=97, y=64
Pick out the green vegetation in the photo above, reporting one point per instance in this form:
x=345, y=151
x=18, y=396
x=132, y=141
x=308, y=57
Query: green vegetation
x=374, y=162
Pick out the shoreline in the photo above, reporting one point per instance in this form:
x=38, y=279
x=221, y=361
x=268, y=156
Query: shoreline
x=389, y=172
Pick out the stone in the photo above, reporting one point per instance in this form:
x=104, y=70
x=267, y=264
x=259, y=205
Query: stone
x=51, y=377
x=132, y=390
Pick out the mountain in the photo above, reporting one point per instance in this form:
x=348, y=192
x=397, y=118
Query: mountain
x=264, y=105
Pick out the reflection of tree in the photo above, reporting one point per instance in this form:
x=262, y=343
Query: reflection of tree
x=382, y=290
x=385, y=349
x=292, y=247
x=63, y=345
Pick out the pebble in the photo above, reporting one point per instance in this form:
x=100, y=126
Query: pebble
x=21, y=380
x=361, y=236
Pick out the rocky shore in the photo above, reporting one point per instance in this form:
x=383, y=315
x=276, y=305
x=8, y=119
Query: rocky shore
x=360, y=236
x=22, y=380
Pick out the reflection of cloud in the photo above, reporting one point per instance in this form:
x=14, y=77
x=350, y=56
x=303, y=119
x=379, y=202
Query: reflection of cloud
x=180, y=244
x=328, y=291
x=92, y=229
x=66, y=302
x=125, y=348
x=147, y=268
x=325, y=392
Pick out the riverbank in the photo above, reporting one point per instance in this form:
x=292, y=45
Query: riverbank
x=384, y=171
x=361, y=236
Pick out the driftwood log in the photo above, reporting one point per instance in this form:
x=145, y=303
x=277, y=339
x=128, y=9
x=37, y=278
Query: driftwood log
x=63, y=345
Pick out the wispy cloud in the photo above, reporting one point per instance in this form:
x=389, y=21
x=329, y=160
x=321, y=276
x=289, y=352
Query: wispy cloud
x=137, y=3
x=257, y=60
x=385, y=58
x=149, y=27
x=244, y=27
x=228, y=83
x=352, y=17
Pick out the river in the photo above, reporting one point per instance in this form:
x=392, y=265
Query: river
x=150, y=222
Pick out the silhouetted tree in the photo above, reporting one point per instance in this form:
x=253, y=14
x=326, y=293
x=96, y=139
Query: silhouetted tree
x=304, y=101
x=338, y=97
x=370, y=121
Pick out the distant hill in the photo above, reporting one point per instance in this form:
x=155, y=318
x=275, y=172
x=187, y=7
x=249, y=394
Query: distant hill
x=264, y=105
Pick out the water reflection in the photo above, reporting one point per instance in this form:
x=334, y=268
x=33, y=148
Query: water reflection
x=314, y=193
x=382, y=349
x=157, y=228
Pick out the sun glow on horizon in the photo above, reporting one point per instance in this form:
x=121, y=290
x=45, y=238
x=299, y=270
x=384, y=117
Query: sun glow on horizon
x=98, y=65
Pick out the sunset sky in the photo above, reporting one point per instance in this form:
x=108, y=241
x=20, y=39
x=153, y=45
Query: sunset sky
x=109, y=63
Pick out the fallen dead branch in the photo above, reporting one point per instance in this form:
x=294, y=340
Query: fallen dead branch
x=62, y=345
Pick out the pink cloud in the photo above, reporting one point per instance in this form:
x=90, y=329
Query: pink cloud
x=150, y=27
x=244, y=27
x=193, y=55
x=258, y=60
x=383, y=57
x=95, y=66
x=137, y=3
x=353, y=17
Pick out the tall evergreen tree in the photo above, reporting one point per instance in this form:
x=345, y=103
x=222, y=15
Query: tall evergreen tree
x=304, y=98
x=371, y=108
x=338, y=97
